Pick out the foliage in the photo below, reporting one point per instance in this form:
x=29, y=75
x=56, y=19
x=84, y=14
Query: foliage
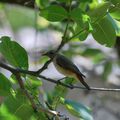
x=102, y=20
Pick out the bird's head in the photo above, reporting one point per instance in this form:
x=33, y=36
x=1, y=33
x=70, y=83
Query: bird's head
x=50, y=54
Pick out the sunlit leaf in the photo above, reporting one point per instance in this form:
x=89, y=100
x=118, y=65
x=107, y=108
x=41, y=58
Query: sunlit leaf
x=114, y=23
x=82, y=22
x=42, y=3
x=77, y=109
x=34, y=81
x=118, y=30
x=115, y=2
x=99, y=11
x=104, y=32
x=5, y=85
x=116, y=13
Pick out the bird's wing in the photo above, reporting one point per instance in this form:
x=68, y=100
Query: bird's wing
x=67, y=64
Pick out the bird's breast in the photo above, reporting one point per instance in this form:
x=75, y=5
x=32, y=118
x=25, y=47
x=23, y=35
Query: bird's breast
x=63, y=70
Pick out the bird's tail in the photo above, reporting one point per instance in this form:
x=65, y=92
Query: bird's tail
x=81, y=79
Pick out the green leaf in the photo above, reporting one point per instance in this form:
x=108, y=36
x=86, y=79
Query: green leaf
x=13, y=53
x=99, y=11
x=54, y=13
x=34, y=81
x=42, y=3
x=8, y=116
x=33, y=84
x=84, y=4
x=5, y=85
x=107, y=70
x=53, y=98
x=115, y=24
x=77, y=109
x=118, y=28
x=104, y=32
x=17, y=106
x=116, y=13
x=13, y=79
x=79, y=27
x=82, y=22
x=77, y=14
x=61, y=90
x=115, y=2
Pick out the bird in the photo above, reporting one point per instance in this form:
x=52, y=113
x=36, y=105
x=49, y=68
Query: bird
x=66, y=66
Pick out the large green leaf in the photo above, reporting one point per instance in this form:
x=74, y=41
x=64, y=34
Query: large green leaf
x=13, y=53
x=17, y=106
x=99, y=11
x=54, y=13
x=115, y=24
x=104, y=32
x=77, y=109
x=5, y=85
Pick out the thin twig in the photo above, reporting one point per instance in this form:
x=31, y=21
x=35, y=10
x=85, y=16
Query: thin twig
x=52, y=112
x=33, y=73
x=44, y=66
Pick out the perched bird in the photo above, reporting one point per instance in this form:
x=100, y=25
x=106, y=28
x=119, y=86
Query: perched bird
x=66, y=67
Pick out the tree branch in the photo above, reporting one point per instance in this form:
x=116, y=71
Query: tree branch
x=34, y=73
x=21, y=84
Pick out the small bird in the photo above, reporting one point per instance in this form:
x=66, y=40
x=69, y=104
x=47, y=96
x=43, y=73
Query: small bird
x=66, y=67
